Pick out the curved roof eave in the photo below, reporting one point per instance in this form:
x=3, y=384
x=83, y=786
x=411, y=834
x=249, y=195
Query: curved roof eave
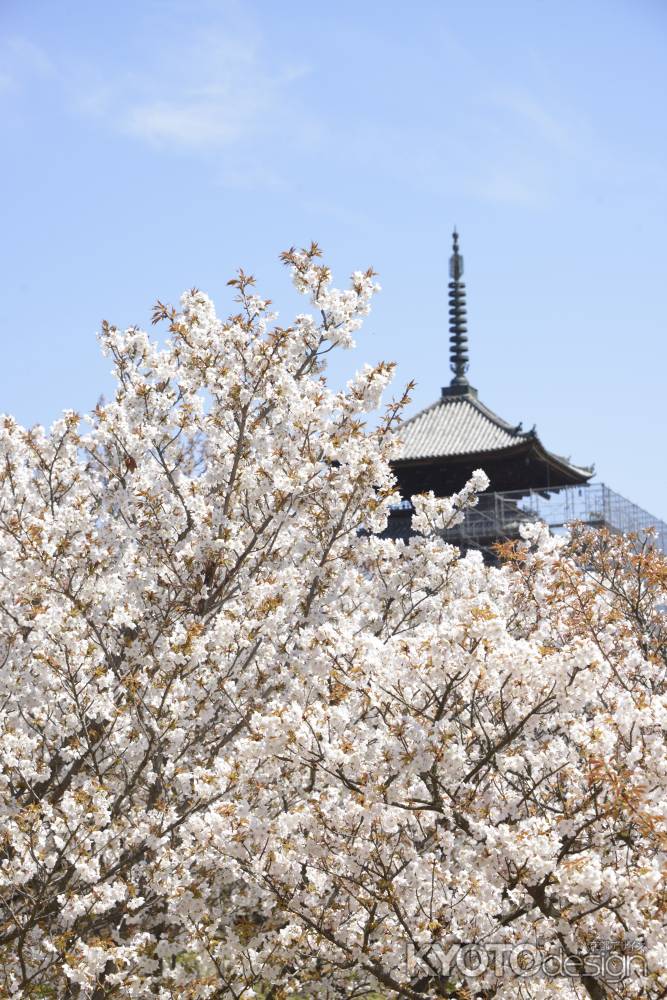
x=464, y=420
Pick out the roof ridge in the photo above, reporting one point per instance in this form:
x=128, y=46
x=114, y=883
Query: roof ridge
x=482, y=408
x=420, y=413
x=493, y=416
x=460, y=424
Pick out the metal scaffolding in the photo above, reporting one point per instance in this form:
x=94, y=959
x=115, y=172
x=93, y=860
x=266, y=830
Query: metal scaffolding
x=499, y=516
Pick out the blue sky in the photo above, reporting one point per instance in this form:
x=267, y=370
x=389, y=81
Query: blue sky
x=152, y=146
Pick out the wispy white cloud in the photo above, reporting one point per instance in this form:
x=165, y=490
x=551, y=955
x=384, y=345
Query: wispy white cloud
x=499, y=145
x=220, y=91
x=535, y=145
x=20, y=62
x=217, y=91
x=30, y=57
x=559, y=130
x=530, y=147
x=189, y=123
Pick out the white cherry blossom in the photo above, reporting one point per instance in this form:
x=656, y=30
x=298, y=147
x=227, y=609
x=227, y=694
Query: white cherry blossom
x=251, y=747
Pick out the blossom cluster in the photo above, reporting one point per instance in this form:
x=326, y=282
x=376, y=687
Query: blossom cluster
x=250, y=746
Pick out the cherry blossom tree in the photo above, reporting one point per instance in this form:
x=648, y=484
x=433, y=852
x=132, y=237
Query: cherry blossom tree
x=250, y=746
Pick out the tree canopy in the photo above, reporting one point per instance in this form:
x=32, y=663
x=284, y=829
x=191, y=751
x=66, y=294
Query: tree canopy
x=248, y=746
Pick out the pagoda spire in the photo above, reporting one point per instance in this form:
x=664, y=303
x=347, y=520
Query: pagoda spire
x=458, y=339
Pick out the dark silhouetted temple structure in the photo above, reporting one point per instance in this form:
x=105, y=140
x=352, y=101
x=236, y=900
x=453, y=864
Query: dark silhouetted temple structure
x=456, y=434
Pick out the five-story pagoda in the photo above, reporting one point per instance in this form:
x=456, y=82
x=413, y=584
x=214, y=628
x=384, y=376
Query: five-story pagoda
x=444, y=443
